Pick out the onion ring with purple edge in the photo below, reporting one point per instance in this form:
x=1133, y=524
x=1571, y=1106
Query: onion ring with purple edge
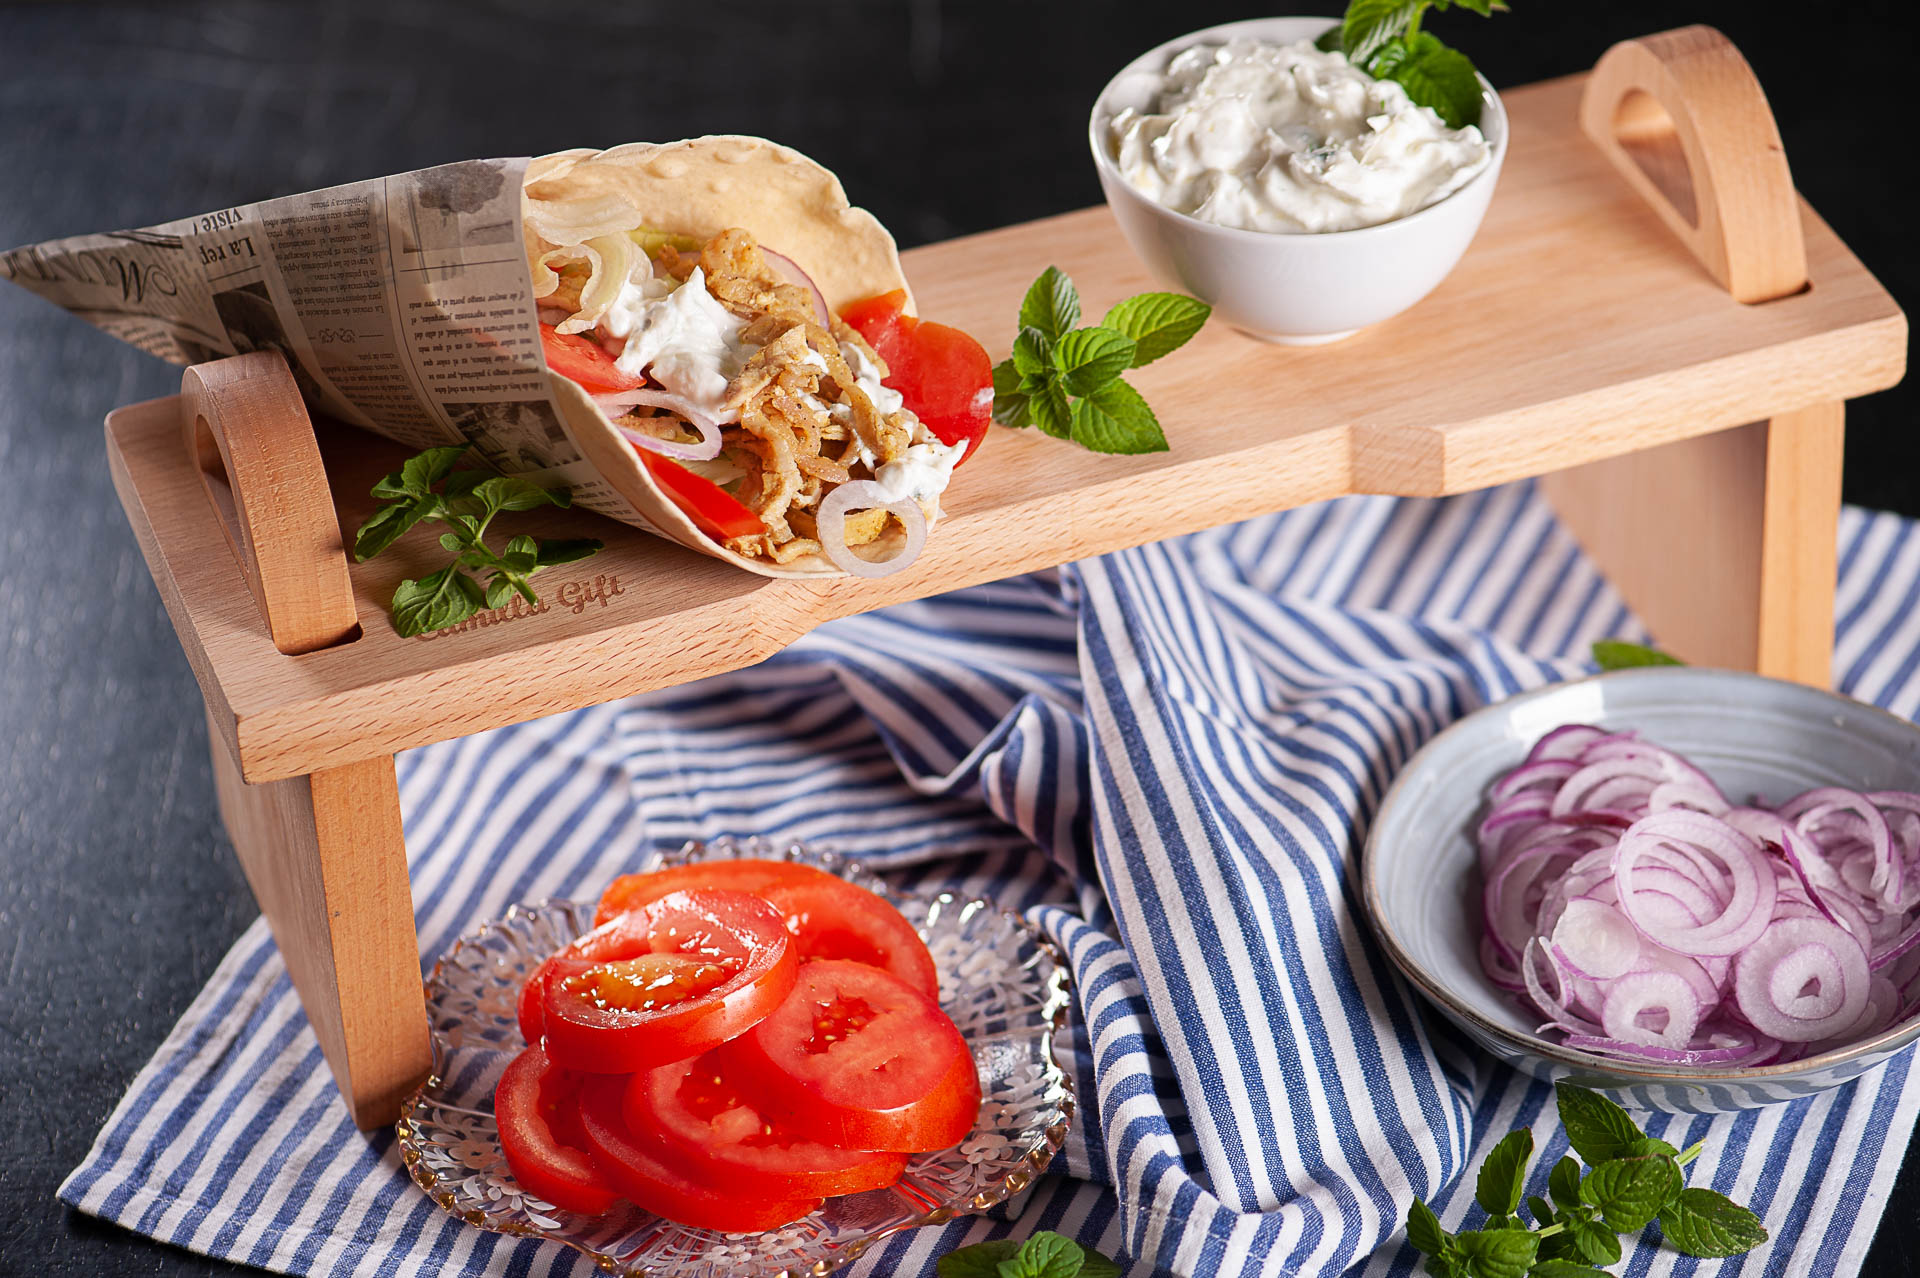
x=650, y=397
x=1751, y=886
x=789, y=270
x=1803, y=981
x=1648, y=993
x=865, y=494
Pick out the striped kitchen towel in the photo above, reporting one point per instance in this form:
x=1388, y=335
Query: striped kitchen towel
x=1163, y=756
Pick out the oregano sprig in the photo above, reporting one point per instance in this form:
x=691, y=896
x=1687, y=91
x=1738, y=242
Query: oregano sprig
x=1065, y=378
x=1384, y=39
x=427, y=487
x=1632, y=1180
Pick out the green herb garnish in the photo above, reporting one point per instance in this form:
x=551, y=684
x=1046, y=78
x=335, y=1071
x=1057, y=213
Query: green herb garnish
x=1066, y=380
x=1618, y=654
x=1384, y=39
x=466, y=501
x=1632, y=1180
x=1045, y=1255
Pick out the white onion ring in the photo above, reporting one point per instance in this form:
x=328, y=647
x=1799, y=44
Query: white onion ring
x=790, y=271
x=865, y=494
x=1752, y=887
x=652, y=397
x=1796, y=952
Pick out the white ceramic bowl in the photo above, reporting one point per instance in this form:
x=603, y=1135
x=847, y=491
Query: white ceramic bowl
x=1297, y=288
x=1754, y=736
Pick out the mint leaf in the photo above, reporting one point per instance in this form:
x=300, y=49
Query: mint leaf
x=499, y=591
x=419, y=473
x=1330, y=41
x=1504, y=1173
x=1433, y=76
x=436, y=601
x=980, y=1260
x=1703, y=1223
x=1498, y=1254
x=389, y=523
x=1052, y=305
x=1095, y=1265
x=1542, y=1210
x=522, y=555
x=510, y=492
x=1618, y=654
x=1050, y=411
x=1089, y=358
x=1369, y=24
x=1597, y=1128
x=1115, y=419
x=1424, y=1230
x=1595, y=1243
x=1563, y=1182
x=1045, y=1255
x=1564, y=1269
x=1033, y=353
x=1485, y=8
x=566, y=550
x=1648, y=1145
x=1158, y=323
x=1631, y=1191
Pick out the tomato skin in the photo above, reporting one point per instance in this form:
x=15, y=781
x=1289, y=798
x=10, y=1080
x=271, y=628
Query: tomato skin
x=828, y=916
x=698, y=1123
x=743, y=935
x=653, y=1185
x=713, y=510
x=536, y=1105
x=581, y=359
x=744, y=874
x=834, y=1089
x=942, y=373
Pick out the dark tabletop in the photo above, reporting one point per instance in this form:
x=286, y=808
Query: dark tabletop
x=118, y=892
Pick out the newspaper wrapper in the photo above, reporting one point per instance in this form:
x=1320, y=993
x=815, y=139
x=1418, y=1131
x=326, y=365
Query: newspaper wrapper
x=405, y=305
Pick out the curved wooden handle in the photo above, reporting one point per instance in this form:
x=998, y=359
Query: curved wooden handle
x=1682, y=116
x=253, y=442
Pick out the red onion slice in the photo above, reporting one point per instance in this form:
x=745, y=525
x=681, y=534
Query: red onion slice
x=1596, y=940
x=1805, y=980
x=1638, y=998
x=653, y=397
x=1751, y=888
x=789, y=270
x=865, y=494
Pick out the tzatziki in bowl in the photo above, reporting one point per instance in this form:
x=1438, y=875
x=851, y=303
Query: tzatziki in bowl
x=1301, y=197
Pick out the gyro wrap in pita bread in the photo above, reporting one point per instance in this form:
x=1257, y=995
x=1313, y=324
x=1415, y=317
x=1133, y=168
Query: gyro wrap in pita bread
x=614, y=241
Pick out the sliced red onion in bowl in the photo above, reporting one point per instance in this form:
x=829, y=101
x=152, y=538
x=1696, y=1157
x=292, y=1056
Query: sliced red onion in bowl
x=1648, y=918
x=652, y=397
x=865, y=494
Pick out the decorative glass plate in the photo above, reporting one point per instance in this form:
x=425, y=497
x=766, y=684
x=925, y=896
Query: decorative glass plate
x=1003, y=983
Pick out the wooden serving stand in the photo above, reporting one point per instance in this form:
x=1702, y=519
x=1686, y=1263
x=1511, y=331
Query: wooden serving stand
x=1684, y=408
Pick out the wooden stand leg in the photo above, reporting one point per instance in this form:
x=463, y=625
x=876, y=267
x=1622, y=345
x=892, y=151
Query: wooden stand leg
x=1724, y=544
x=326, y=860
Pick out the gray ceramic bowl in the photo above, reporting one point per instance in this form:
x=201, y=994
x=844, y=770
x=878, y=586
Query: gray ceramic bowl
x=1754, y=736
x=1296, y=289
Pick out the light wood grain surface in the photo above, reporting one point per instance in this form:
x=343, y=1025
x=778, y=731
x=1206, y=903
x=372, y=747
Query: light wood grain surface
x=1575, y=329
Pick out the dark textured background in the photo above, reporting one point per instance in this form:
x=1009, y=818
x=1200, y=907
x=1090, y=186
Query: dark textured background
x=118, y=894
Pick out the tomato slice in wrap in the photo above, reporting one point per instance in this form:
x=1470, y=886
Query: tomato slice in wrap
x=536, y=1105
x=828, y=916
x=942, y=373
x=697, y=1121
x=858, y=1058
x=673, y=980
x=583, y=360
x=655, y=1185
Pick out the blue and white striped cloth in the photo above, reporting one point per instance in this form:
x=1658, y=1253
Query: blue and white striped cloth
x=1163, y=755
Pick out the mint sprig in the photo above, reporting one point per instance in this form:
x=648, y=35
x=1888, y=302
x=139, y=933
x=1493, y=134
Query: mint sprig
x=427, y=487
x=1618, y=654
x=1384, y=39
x=1632, y=1180
x=1064, y=378
x=1044, y=1255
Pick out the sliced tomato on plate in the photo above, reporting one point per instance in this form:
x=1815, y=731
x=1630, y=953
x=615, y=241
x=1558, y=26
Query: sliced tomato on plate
x=698, y=1122
x=713, y=510
x=828, y=916
x=744, y=874
x=942, y=373
x=858, y=1058
x=536, y=1105
x=581, y=359
x=655, y=1185
x=673, y=980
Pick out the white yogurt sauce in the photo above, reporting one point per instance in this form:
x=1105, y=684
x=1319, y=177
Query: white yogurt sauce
x=690, y=344
x=683, y=337
x=1283, y=137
